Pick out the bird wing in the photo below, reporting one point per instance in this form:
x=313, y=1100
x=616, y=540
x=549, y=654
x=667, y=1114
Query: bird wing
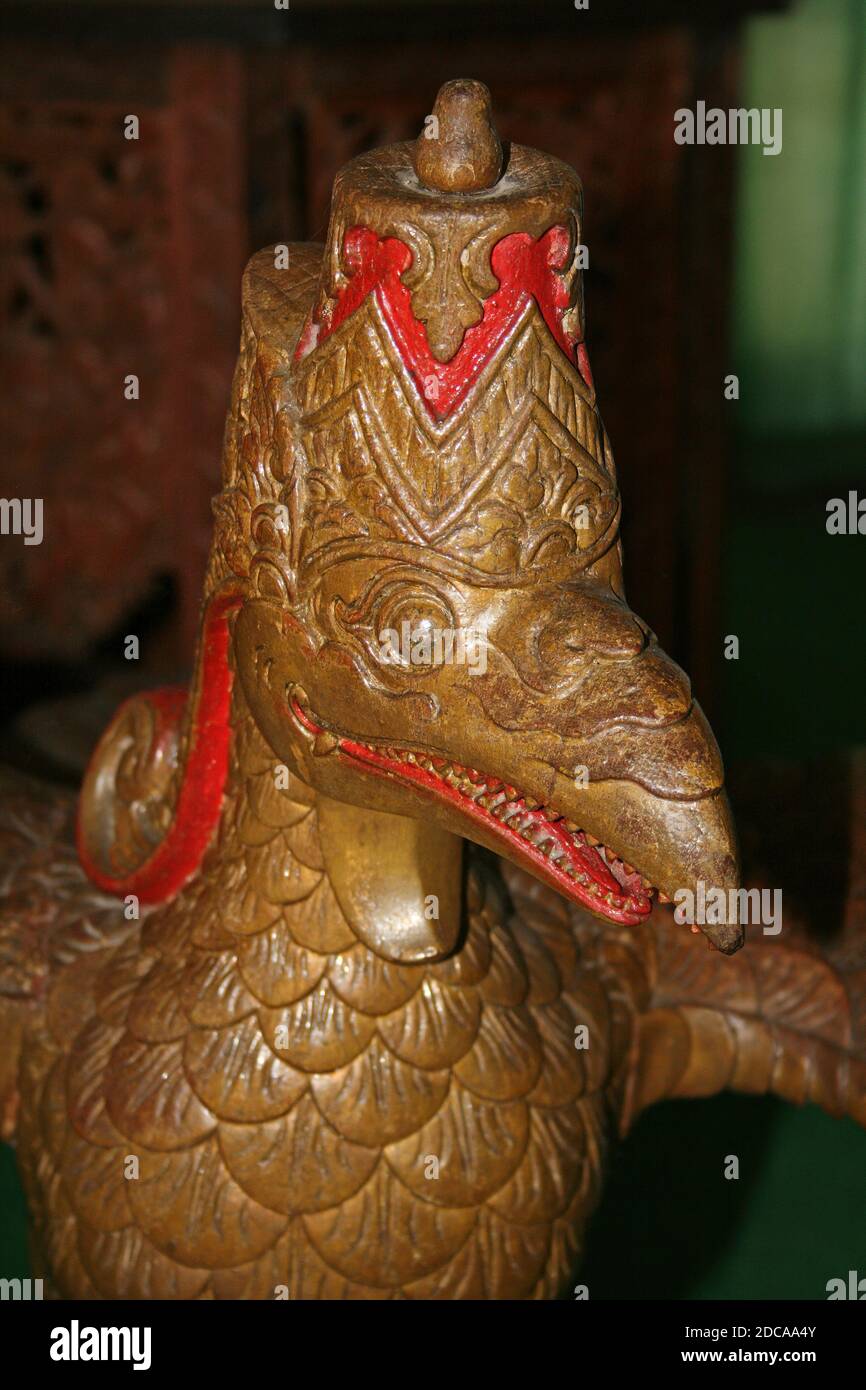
x=788, y=1014
x=49, y=913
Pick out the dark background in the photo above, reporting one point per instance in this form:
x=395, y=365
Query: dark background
x=125, y=256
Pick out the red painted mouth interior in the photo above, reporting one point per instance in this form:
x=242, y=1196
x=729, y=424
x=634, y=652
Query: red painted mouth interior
x=555, y=849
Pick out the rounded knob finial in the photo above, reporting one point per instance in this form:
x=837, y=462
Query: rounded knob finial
x=458, y=151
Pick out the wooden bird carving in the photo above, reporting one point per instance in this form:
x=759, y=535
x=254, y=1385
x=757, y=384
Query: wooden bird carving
x=349, y=973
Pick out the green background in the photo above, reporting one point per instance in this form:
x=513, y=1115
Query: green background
x=670, y=1224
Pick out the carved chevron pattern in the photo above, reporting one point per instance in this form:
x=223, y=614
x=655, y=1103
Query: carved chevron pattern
x=525, y=463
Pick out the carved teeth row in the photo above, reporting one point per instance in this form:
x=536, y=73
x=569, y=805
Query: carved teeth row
x=508, y=806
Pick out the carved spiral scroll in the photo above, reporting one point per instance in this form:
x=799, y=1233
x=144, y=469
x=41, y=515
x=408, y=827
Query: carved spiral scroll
x=153, y=791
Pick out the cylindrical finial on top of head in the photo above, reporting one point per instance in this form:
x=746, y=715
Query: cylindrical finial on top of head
x=464, y=215
x=459, y=151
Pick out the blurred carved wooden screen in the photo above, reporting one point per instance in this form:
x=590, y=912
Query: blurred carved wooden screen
x=125, y=257
x=120, y=258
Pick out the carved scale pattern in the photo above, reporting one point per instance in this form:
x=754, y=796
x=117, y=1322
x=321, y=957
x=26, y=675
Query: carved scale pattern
x=246, y=1056
x=119, y=1023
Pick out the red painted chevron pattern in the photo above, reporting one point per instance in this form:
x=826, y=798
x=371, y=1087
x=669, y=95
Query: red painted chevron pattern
x=526, y=268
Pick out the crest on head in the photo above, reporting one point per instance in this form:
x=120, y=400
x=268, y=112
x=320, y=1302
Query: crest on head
x=416, y=573
x=437, y=407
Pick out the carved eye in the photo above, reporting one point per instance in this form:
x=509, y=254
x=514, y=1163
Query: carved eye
x=414, y=630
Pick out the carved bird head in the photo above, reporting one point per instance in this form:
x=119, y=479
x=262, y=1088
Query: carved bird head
x=417, y=540
x=422, y=502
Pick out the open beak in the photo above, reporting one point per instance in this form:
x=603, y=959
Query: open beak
x=610, y=845
x=608, y=785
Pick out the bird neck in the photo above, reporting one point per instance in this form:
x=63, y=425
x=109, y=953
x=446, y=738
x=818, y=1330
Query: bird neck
x=335, y=874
